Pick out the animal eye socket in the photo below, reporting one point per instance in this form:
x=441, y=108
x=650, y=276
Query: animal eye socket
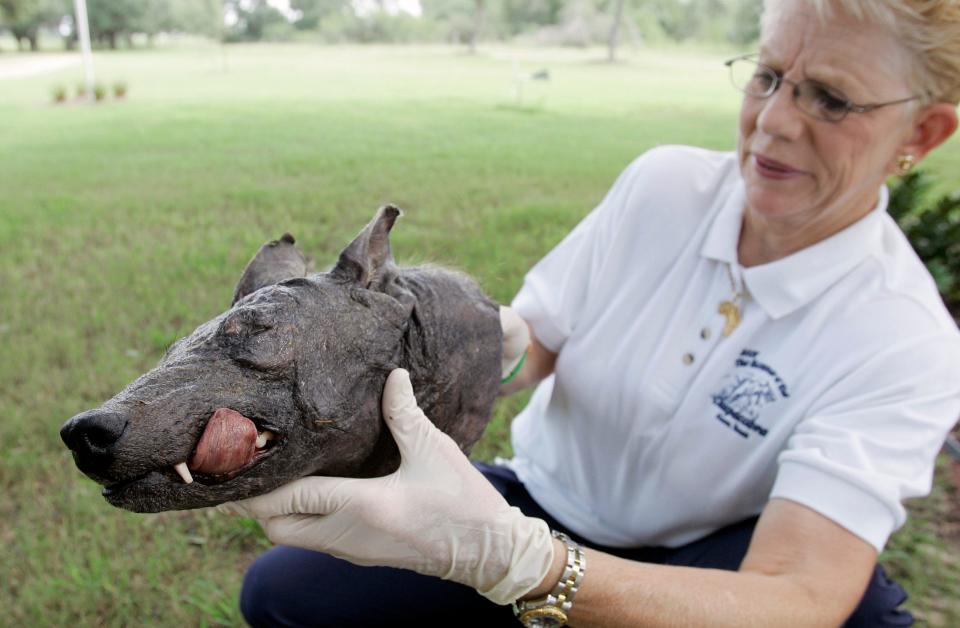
x=243, y=323
x=258, y=328
x=260, y=350
x=257, y=338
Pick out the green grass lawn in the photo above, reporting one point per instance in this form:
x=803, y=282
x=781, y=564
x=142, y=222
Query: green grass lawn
x=125, y=225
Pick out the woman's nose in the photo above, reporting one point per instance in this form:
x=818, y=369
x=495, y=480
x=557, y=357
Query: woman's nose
x=779, y=115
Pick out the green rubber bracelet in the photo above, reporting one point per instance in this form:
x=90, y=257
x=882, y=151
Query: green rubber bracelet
x=516, y=370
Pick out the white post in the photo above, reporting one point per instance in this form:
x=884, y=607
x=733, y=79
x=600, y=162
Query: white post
x=517, y=84
x=83, y=30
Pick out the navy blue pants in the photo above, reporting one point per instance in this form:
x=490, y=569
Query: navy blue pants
x=289, y=586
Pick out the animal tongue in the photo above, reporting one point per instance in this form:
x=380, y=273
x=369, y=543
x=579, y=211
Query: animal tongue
x=227, y=444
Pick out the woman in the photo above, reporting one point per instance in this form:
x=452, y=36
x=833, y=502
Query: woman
x=725, y=336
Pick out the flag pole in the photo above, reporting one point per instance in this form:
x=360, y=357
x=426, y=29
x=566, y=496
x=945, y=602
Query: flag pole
x=83, y=30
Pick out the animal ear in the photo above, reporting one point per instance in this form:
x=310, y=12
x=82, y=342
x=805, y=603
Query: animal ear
x=368, y=260
x=274, y=262
x=369, y=253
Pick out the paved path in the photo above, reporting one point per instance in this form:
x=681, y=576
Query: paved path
x=23, y=65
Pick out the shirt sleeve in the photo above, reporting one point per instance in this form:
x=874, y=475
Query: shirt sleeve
x=556, y=290
x=872, y=440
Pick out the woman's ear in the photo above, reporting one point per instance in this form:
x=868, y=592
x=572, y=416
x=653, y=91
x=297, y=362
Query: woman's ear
x=933, y=125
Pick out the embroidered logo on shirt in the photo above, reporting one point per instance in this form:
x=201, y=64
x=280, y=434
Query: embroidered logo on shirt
x=746, y=390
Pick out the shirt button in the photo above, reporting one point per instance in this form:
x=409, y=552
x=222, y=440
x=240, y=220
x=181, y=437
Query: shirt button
x=705, y=333
x=688, y=358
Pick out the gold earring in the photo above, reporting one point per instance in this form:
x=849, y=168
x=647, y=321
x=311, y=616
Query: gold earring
x=905, y=163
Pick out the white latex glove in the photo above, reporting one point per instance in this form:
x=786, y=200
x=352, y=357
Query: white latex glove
x=516, y=339
x=436, y=514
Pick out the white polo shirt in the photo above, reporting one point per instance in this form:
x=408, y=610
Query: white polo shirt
x=836, y=390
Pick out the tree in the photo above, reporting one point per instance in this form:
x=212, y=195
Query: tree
x=255, y=18
x=156, y=17
x=746, y=22
x=112, y=19
x=314, y=12
x=25, y=17
x=478, y=17
x=615, y=31
x=201, y=17
x=462, y=21
x=521, y=15
x=682, y=20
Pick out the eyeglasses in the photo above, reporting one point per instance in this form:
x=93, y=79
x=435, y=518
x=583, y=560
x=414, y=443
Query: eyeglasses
x=812, y=97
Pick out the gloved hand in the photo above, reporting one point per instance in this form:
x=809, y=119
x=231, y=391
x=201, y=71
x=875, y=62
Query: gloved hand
x=436, y=514
x=516, y=339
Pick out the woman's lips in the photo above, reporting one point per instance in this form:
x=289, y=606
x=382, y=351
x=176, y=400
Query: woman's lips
x=773, y=169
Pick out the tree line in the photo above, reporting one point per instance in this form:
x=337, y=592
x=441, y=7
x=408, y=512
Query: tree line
x=112, y=22
x=550, y=22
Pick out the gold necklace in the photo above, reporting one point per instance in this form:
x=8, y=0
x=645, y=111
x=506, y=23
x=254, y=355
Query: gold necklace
x=730, y=309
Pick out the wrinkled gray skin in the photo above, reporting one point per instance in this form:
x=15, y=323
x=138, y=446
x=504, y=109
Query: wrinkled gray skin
x=307, y=358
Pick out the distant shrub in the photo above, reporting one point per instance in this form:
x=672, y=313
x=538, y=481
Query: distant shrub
x=281, y=31
x=120, y=89
x=933, y=228
x=379, y=27
x=81, y=90
x=59, y=94
x=99, y=92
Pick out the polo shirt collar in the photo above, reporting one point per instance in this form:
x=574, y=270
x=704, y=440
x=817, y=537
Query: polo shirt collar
x=787, y=284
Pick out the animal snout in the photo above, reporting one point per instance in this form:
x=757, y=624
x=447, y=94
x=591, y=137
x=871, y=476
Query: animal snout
x=92, y=436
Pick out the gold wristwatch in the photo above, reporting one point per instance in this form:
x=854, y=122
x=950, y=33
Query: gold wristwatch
x=552, y=611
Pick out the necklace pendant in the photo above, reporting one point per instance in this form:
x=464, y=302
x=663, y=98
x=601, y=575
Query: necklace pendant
x=731, y=315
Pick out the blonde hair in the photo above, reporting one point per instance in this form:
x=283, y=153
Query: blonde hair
x=928, y=30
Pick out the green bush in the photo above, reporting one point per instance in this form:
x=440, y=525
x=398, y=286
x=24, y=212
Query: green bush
x=378, y=27
x=119, y=89
x=99, y=92
x=933, y=228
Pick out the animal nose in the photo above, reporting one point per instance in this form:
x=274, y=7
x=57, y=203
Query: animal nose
x=92, y=436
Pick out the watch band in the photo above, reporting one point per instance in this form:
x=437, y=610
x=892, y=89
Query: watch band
x=553, y=609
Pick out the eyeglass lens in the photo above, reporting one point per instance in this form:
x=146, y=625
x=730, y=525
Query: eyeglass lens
x=813, y=98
